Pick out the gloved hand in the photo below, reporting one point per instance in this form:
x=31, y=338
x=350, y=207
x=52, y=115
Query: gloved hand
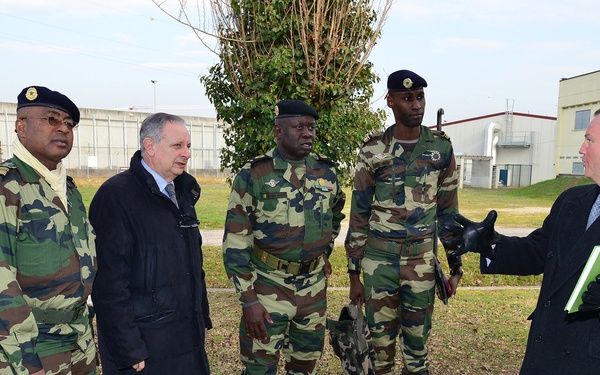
x=472, y=236
x=591, y=297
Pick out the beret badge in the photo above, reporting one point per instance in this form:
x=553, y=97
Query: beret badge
x=31, y=93
x=276, y=110
x=407, y=83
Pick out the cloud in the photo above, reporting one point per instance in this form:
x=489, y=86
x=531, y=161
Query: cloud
x=36, y=48
x=486, y=45
x=496, y=11
x=192, y=43
x=123, y=37
x=77, y=8
x=170, y=66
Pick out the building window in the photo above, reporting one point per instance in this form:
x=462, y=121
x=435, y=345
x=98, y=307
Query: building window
x=582, y=119
x=577, y=168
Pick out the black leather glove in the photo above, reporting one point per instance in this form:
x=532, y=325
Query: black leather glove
x=591, y=297
x=473, y=237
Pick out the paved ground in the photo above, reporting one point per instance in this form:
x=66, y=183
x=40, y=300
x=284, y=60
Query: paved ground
x=215, y=237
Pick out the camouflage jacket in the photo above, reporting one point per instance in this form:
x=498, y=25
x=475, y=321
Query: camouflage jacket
x=47, y=261
x=273, y=210
x=398, y=195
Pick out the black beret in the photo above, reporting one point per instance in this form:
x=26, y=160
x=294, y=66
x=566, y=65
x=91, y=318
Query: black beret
x=404, y=80
x=44, y=97
x=294, y=108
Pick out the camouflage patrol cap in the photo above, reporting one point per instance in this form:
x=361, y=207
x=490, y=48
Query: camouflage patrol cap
x=294, y=108
x=405, y=80
x=44, y=97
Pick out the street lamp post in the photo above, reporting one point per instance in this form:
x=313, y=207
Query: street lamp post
x=154, y=84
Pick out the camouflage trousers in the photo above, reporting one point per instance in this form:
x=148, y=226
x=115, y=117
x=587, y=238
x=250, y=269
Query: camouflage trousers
x=399, y=293
x=75, y=362
x=298, y=310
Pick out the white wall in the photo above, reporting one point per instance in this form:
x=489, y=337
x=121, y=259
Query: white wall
x=537, y=132
x=113, y=136
x=575, y=94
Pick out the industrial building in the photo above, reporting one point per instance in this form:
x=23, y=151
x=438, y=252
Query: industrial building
x=578, y=100
x=503, y=149
x=105, y=140
x=508, y=148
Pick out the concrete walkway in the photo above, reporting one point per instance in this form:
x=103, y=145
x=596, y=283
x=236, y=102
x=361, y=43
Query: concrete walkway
x=215, y=237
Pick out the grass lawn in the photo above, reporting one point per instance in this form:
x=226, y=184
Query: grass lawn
x=524, y=207
x=481, y=331
x=478, y=332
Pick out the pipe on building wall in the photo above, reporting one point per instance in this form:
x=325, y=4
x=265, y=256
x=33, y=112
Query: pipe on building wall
x=491, y=140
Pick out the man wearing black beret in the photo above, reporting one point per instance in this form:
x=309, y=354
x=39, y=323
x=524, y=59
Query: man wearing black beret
x=405, y=181
x=284, y=214
x=48, y=257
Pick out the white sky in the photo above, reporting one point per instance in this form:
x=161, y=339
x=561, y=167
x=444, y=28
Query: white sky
x=475, y=54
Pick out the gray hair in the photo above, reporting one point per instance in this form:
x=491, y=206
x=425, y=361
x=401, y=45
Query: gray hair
x=152, y=127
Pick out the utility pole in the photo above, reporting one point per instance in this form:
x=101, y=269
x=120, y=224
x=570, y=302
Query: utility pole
x=154, y=84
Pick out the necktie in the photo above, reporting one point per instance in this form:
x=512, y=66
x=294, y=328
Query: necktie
x=171, y=191
x=594, y=212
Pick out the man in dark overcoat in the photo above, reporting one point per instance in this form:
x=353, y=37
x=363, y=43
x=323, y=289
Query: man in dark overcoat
x=150, y=293
x=559, y=342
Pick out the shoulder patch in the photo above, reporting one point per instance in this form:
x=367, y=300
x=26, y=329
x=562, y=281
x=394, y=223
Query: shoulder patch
x=371, y=136
x=325, y=159
x=71, y=183
x=4, y=170
x=440, y=133
x=259, y=158
x=6, y=166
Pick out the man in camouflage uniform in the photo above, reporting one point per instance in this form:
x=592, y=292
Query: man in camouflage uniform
x=283, y=216
x=47, y=257
x=405, y=180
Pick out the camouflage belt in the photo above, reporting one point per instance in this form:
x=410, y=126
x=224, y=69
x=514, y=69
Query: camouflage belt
x=400, y=248
x=54, y=316
x=295, y=268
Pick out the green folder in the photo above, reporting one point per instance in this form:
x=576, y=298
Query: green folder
x=589, y=273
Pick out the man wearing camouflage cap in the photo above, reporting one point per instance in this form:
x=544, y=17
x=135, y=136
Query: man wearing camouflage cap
x=283, y=216
x=48, y=256
x=405, y=180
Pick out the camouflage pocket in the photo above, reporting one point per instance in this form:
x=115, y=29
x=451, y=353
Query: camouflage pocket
x=351, y=341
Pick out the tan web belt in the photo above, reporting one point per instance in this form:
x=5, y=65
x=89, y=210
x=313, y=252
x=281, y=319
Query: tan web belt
x=400, y=248
x=295, y=268
x=54, y=316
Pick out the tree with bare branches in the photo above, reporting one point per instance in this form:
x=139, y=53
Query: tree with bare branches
x=311, y=50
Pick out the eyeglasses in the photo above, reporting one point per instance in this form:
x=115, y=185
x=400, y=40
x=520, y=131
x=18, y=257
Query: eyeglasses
x=188, y=222
x=54, y=121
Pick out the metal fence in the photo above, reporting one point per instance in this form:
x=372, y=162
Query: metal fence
x=106, y=140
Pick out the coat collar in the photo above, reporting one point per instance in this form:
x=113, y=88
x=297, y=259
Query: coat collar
x=424, y=143
x=184, y=183
x=575, y=248
x=280, y=162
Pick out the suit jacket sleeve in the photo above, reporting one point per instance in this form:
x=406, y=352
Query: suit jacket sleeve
x=526, y=255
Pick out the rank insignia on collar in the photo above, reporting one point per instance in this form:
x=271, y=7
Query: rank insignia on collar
x=271, y=183
x=435, y=156
x=321, y=185
x=378, y=156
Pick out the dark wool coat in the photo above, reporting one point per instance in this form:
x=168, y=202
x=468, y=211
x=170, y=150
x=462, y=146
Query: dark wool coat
x=149, y=294
x=558, y=343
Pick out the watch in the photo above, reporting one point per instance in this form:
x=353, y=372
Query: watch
x=458, y=272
